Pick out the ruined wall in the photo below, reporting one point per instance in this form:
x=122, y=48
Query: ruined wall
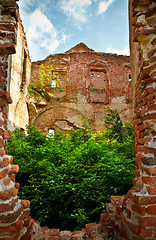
x=134, y=215
x=91, y=82
x=12, y=210
x=19, y=80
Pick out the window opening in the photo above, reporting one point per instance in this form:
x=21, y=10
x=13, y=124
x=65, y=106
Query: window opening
x=53, y=84
x=129, y=78
x=51, y=133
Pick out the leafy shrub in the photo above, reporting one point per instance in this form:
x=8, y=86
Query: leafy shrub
x=115, y=128
x=69, y=179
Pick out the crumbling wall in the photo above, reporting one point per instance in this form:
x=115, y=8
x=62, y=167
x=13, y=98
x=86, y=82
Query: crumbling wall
x=134, y=215
x=12, y=210
x=91, y=82
x=19, y=81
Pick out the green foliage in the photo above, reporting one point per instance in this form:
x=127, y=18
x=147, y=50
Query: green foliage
x=69, y=179
x=43, y=88
x=115, y=128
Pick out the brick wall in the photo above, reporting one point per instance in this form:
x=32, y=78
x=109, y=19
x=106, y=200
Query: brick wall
x=92, y=82
x=134, y=215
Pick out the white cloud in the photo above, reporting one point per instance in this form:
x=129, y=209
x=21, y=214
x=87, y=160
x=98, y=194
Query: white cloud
x=41, y=34
x=104, y=5
x=76, y=9
x=125, y=51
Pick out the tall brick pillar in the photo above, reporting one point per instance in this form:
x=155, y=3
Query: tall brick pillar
x=13, y=212
x=134, y=215
x=142, y=198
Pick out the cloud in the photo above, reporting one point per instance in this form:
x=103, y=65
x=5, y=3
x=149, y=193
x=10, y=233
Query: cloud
x=41, y=35
x=76, y=9
x=103, y=6
x=125, y=51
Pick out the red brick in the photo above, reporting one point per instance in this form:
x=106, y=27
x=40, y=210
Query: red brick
x=1, y=123
x=6, y=134
x=141, y=200
x=148, y=180
x=153, y=75
x=25, y=203
x=147, y=221
x=11, y=160
x=150, y=90
x=150, y=170
x=137, y=173
x=144, y=140
x=11, y=217
x=151, y=209
x=17, y=185
x=147, y=125
x=140, y=128
x=137, y=122
x=11, y=229
x=4, y=195
x=6, y=181
x=3, y=173
x=147, y=149
x=7, y=26
x=14, y=169
x=142, y=134
x=152, y=190
x=7, y=207
x=1, y=143
x=4, y=162
x=12, y=177
x=139, y=209
x=150, y=116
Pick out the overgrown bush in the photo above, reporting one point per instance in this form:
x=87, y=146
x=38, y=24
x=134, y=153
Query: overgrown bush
x=69, y=179
x=115, y=128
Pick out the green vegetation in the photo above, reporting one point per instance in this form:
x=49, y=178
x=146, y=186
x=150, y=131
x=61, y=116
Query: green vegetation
x=43, y=88
x=115, y=128
x=69, y=178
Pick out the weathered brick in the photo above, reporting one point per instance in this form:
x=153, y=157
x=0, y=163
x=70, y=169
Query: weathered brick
x=139, y=209
x=7, y=206
x=3, y=173
x=11, y=217
x=151, y=209
x=4, y=162
x=6, y=181
x=149, y=170
x=148, y=180
x=25, y=203
x=14, y=169
x=147, y=221
x=7, y=194
x=152, y=190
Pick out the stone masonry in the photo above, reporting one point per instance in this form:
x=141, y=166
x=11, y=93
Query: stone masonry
x=130, y=217
x=90, y=83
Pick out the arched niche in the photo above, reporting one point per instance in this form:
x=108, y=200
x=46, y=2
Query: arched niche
x=98, y=88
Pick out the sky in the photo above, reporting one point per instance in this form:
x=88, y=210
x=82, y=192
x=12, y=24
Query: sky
x=55, y=26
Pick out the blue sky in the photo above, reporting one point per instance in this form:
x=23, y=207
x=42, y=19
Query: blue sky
x=55, y=26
